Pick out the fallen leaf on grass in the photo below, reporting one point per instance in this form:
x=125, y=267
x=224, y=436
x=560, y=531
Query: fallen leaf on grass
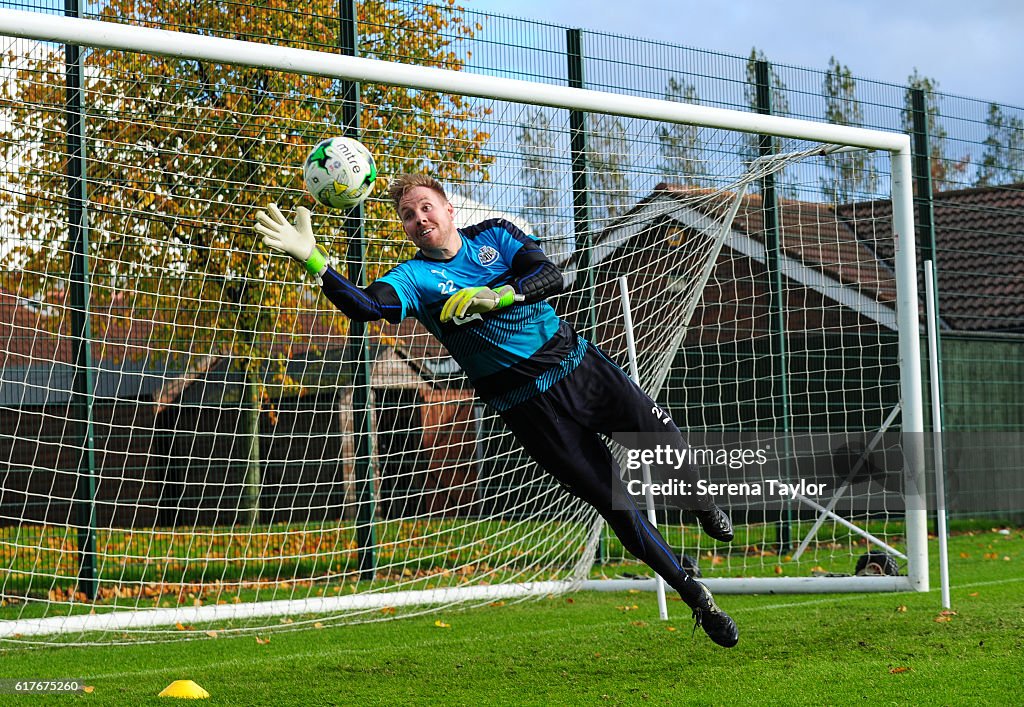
x=898, y=669
x=318, y=625
x=211, y=634
x=901, y=609
x=671, y=628
x=88, y=689
x=441, y=624
x=262, y=641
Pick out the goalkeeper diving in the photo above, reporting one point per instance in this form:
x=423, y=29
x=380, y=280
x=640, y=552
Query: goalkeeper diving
x=482, y=292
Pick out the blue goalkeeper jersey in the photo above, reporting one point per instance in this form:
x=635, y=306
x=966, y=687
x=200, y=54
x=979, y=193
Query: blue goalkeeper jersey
x=510, y=354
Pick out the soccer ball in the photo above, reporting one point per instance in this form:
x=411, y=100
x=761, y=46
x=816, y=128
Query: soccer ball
x=339, y=172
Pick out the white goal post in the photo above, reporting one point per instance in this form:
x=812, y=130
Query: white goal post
x=488, y=566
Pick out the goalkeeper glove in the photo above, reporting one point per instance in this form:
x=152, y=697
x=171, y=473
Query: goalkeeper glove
x=477, y=300
x=297, y=241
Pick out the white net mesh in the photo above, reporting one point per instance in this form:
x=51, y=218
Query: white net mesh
x=214, y=448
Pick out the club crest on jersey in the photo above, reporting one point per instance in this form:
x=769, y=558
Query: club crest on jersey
x=487, y=255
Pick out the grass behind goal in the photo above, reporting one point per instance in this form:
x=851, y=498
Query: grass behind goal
x=597, y=648
x=416, y=554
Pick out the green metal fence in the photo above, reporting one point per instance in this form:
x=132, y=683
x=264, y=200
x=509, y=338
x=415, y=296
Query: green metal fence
x=970, y=180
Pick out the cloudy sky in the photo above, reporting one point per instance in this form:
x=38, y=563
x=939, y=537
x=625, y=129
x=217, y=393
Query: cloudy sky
x=972, y=48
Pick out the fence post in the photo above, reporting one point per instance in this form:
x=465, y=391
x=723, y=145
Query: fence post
x=580, y=193
x=82, y=385
x=923, y=188
x=924, y=203
x=581, y=202
x=358, y=352
x=776, y=304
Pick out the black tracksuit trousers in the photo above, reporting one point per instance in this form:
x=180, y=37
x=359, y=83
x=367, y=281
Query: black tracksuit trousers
x=561, y=430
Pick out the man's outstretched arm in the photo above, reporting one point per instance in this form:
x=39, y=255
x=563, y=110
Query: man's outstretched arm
x=378, y=301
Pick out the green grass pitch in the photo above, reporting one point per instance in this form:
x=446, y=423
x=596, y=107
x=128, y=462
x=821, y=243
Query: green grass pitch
x=606, y=648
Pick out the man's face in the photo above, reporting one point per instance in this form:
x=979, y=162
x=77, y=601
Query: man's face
x=427, y=220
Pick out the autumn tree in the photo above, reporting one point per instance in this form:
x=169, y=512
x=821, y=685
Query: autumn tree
x=179, y=155
x=541, y=176
x=680, y=146
x=1002, y=162
x=608, y=165
x=851, y=174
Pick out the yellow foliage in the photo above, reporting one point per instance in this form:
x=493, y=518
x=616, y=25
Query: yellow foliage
x=181, y=153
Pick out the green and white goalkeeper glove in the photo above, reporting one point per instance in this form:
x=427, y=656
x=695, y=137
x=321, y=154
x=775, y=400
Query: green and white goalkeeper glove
x=297, y=241
x=478, y=300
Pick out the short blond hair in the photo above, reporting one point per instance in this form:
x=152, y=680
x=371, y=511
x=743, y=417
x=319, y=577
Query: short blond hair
x=404, y=182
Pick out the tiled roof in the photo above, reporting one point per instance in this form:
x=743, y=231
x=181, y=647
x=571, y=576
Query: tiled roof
x=128, y=353
x=979, y=235
x=35, y=345
x=832, y=280
x=34, y=331
x=813, y=235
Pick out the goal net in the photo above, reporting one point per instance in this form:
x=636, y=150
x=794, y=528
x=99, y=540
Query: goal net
x=193, y=441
